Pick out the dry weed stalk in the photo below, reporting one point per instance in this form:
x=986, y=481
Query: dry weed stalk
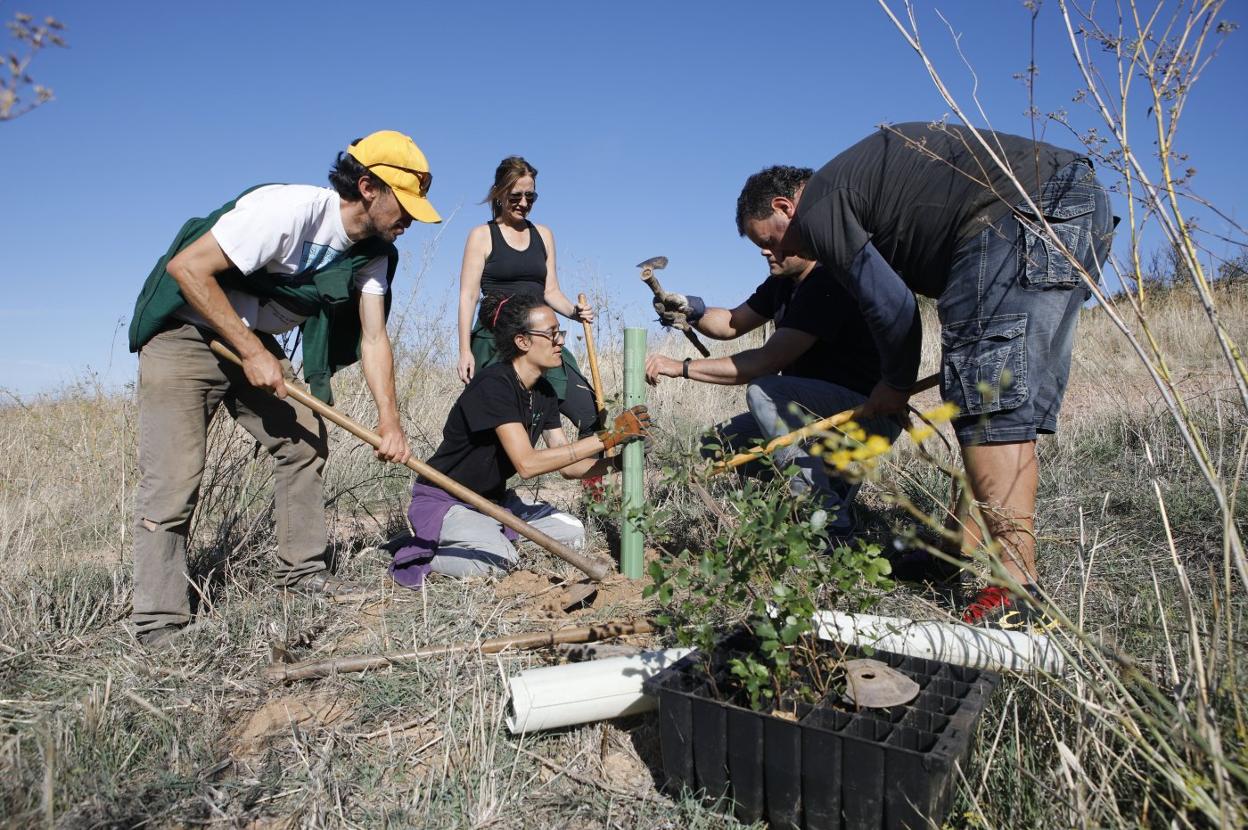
x=1176, y=735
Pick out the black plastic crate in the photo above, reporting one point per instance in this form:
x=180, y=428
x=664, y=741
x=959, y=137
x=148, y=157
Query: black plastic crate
x=833, y=767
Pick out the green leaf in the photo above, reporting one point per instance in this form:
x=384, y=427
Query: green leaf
x=818, y=520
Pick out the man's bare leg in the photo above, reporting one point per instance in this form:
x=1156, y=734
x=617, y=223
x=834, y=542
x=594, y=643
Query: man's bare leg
x=1003, y=478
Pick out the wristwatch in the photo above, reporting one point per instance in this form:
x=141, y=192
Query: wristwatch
x=684, y=369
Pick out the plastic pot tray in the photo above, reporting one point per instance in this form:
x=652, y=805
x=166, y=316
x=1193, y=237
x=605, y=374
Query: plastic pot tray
x=833, y=767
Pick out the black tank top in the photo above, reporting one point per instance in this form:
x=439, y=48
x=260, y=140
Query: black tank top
x=508, y=271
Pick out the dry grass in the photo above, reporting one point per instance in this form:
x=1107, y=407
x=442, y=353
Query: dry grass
x=96, y=733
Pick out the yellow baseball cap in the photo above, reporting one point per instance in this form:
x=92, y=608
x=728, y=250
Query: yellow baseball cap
x=396, y=160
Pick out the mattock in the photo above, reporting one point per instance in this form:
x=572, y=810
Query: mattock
x=657, y=263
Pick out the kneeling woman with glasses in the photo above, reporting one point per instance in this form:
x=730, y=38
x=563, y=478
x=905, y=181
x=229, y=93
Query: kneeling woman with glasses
x=490, y=435
x=510, y=256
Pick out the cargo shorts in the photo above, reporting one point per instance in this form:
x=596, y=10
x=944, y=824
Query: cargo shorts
x=1009, y=311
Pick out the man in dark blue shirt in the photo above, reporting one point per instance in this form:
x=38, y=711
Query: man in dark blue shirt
x=932, y=209
x=820, y=360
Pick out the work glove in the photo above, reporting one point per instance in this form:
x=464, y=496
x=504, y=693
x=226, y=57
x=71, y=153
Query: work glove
x=629, y=425
x=676, y=308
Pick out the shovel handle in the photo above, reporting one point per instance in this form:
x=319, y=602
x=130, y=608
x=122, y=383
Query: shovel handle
x=594, y=568
x=599, y=400
x=830, y=422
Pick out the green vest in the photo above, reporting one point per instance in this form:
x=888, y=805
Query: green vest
x=331, y=334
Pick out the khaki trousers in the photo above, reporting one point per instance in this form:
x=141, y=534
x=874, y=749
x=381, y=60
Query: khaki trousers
x=181, y=384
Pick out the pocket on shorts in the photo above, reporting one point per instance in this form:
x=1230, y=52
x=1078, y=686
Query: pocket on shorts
x=1067, y=201
x=985, y=363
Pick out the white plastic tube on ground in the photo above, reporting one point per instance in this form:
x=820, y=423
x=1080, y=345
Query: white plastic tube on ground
x=595, y=690
x=962, y=645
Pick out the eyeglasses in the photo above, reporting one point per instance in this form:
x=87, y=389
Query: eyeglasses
x=423, y=178
x=514, y=198
x=553, y=335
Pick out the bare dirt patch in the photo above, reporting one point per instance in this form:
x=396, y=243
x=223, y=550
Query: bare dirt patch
x=274, y=719
x=536, y=595
x=627, y=772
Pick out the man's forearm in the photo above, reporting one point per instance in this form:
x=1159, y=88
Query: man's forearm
x=204, y=294
x=728, y=371
x=377, y=361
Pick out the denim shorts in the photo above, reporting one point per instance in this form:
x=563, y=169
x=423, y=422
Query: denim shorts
x=1009, y=311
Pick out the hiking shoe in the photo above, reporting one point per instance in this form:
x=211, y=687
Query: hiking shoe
x=167, y=637
x=326, y=585
x=995, y=607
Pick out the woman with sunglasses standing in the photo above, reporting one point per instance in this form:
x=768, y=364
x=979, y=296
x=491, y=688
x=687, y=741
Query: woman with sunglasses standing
x=490, y=435
x=511, y=256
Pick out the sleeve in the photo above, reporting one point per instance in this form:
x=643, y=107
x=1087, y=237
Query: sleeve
x=550, y=414
x=891, y=313
x=262, y=227
x=763, y=300
x=489, y=402
x=830, y=227
x=373, y=278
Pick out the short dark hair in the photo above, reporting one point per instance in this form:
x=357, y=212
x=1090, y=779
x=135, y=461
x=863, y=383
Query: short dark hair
x=765, y=185
x=507, y=315
x=346, y=173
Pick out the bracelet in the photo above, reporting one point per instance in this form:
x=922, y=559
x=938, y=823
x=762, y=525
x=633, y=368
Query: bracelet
x=684, y=369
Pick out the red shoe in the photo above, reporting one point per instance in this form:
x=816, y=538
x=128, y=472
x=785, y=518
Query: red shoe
x=995, y=607
x=990, y=604
x=595, y=490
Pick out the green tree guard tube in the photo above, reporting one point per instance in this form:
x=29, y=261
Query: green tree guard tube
x=634, y=453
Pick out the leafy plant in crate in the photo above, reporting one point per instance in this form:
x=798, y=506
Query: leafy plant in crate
x=763, y=578
x=759, y=716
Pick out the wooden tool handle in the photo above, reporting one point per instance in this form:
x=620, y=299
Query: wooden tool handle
x=830, y=422
x=599, y=400
x=313, y=669
x=596, y=569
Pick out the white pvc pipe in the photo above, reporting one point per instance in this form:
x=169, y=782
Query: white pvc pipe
x=555, y=696
x=962, y=645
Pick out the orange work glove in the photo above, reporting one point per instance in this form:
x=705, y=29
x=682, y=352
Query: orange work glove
x=629, y=425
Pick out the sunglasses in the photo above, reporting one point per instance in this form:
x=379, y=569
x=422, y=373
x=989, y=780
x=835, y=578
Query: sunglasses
x=553, y=335
x=423, y=177
x=514, y=198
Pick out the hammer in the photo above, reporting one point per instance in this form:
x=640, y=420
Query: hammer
x=656, y=263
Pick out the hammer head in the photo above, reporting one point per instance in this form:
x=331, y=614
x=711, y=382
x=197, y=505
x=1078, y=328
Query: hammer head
x=654, y=263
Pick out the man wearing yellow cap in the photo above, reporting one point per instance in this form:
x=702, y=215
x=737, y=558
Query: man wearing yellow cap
x=278, y=257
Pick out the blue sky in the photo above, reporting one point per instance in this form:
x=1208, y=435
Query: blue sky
x=644, y=118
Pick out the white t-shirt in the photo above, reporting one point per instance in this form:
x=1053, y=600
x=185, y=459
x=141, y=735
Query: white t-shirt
x=285, y=230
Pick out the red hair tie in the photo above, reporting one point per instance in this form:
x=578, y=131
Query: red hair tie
x=494, y=322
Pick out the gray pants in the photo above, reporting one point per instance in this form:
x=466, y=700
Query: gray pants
x=472, y=544
x=779, y=404
x=181, y=384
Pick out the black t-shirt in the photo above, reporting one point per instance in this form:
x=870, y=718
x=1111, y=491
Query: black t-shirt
x=470, y=451
x=916, y=191
x=844, y=354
